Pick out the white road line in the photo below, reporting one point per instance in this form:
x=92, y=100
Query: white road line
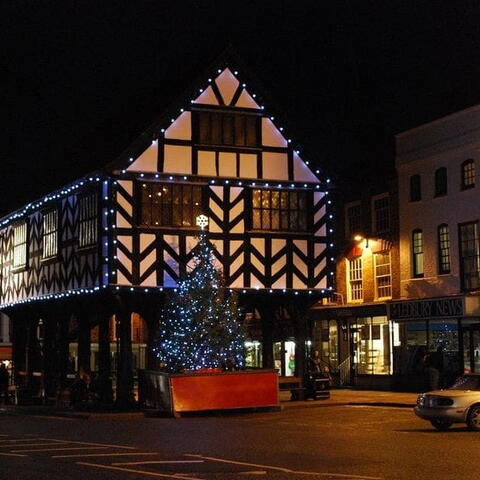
x=12, y=455
x=57, y=449
x=20, y=440
x=63, y=419
x=15, y=445
x=176, y=476
x=88, y=443
x=149, y=462
x=254, y=472
x=123, y=454
x=286, y=470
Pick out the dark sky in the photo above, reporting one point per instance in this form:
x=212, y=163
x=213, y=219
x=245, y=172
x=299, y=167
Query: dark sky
x=79, y=80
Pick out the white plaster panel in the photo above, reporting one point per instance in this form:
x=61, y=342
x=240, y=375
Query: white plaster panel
x=279, y=264
x=277, y=245
x=227, y=84
x=302, y=245
x=255, y=282
x=121, y=221
x=322, y=283
x=319, y=214
x=214, y=227
x=127, y=186
x=146, y=239
x=322, y=231
x=207, y=97
x=218, y=192
x=126, y=241
x=257, y=264
x=300, y=264
x=168, y=281
x=124, y=203
x=297, y=283
x=248, y=165
x=271, y=136
x=172, y=241
x=227, y=164
x=301, y=172
x=238, y=283
x=181, y=128
x=216, y=209
x=275, y=166
x=246, y=101
x=317, y=196
x=281, y=282
x=170, y=261
x=259, y=244
x=121, y=280
x=235, y=192
x=147, y=262
x=206, y=163
x=147, y=161
x=150, y=281
x=177, y=159
x=236, y=211
x=320, y=267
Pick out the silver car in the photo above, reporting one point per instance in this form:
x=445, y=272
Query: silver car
x=458, y=404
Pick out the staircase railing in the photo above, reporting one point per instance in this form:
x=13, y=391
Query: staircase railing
x=345, y=371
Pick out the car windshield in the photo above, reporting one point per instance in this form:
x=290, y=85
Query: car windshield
x=466, y=382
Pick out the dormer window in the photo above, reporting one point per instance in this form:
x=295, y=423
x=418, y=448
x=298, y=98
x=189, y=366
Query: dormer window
x=232, y=129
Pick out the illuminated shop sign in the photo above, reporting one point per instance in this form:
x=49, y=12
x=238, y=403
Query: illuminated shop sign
x=433, y=308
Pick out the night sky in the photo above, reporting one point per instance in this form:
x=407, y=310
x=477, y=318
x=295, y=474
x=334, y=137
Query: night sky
x=81, y=79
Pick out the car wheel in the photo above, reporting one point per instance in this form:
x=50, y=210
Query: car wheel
x=441, y=425
x=473, y=419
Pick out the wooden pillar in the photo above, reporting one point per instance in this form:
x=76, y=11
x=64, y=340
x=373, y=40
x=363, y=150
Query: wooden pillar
x=104, y=361
x=63, y=349
x=124, y=396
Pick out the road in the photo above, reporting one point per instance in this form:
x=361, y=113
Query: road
x=327, y=443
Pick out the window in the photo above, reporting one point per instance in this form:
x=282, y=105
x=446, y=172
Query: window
x=355, y=281
x=20, y=245
x=383, y=276
x=469, y=256
x=415, y=188
x=215, y=128
x=381, y=214
x=87, y=220
x=353, y=216
x=417, y=253
x=279, y=210
x=441, y=182
x=443, y=249
x=167, y=205
x=50, y=234
x=468, y=174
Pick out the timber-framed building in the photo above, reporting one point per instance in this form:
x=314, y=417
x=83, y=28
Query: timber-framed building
x=84, y=270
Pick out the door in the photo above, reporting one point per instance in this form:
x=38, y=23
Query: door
x=471, y=349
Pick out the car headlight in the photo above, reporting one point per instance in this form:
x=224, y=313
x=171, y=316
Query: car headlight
x=421, y=401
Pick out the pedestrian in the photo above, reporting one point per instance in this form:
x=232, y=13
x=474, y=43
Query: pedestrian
x=4, y=381
x=434, y=367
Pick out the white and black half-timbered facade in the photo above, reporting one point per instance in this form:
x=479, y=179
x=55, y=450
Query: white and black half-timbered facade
x=83, y=271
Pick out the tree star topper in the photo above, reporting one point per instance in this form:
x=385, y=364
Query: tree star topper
x=202, y=221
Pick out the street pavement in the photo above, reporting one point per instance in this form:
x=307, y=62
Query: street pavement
x=338, y=397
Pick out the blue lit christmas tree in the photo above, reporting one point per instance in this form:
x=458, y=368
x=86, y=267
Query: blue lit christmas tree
x=201, y=324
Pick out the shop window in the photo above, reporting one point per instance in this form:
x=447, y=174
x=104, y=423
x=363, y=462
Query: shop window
x=468, y=174
x=415, y=188
x=443, y=249
x=381, y=214
x=50, y=234
x=279, y=210
x=469, y=256
x=253, y=354
x=383, y=275
x=372, y=353
x=441, y=184
x=326, y=342
x=353, y=219
x=20, y=245
x=87, y=220
x=233, y=129
x=355, y=281
x=417, y=253
x=170, y=205
x=409, y=347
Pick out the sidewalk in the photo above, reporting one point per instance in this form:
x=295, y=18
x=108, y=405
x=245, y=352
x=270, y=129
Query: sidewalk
x=337, y=398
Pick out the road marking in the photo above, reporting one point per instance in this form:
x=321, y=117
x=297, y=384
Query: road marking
x=286, y=470
x=89, y=443
x=59, y=448
x=12, y=455
x=123, y=454
x=63, y=419
x=20, y=440
x=15, y=445
x=254, y=472
x=148, y=462
x=142, y=472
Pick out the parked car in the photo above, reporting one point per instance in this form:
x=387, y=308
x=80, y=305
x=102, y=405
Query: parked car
x=458, y=404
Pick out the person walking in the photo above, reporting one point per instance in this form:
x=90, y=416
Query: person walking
x=434, y=366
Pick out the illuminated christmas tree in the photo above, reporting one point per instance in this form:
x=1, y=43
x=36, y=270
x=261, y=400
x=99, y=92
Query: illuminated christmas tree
x=201, y=324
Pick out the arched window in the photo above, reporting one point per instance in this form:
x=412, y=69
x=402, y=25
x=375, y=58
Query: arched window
x=417, y=253
x=415, y=188
x=441, y=182
x=468, y=174
x=443, y=249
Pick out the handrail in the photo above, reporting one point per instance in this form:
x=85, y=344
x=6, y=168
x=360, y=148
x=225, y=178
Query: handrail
x=345, y=372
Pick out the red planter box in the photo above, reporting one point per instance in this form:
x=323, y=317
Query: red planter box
x=175, y=394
